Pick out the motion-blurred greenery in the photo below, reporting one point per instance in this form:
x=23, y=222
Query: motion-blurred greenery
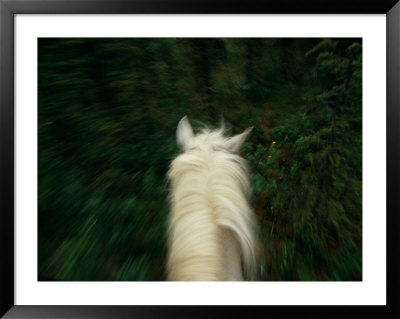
x=108, y=110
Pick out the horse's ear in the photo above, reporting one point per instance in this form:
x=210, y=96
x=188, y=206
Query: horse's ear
x=184, y=133
x=235, y=142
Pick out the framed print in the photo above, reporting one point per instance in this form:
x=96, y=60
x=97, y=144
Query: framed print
x=175, y=159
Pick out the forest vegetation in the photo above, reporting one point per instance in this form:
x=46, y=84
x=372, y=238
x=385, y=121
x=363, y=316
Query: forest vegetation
x=107, y=115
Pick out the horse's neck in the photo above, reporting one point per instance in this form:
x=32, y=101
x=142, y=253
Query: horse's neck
x=232, y=256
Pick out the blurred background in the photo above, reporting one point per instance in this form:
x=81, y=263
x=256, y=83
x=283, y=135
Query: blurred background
x=108, y=110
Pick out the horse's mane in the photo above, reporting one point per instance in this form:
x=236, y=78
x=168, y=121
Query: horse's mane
x=209, y=198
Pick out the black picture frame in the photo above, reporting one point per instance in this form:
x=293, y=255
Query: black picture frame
x=8, y=10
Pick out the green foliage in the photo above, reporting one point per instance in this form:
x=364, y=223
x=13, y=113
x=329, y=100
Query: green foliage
x=108, y=110
x=312, y=214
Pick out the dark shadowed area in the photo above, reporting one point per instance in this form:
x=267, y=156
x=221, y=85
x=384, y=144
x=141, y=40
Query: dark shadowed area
x=108, y=110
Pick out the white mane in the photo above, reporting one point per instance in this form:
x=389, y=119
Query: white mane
x=212, y=227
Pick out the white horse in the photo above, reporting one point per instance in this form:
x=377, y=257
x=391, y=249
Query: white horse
x=212, y=229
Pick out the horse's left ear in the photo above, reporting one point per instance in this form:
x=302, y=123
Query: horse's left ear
x=235, y=142
x=184, y=133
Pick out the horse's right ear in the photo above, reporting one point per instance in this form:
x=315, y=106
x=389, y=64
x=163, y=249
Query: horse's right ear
x=184, y=134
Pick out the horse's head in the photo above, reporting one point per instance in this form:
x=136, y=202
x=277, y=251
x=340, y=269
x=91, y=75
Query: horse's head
x=187, y=140
x=212, y=226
